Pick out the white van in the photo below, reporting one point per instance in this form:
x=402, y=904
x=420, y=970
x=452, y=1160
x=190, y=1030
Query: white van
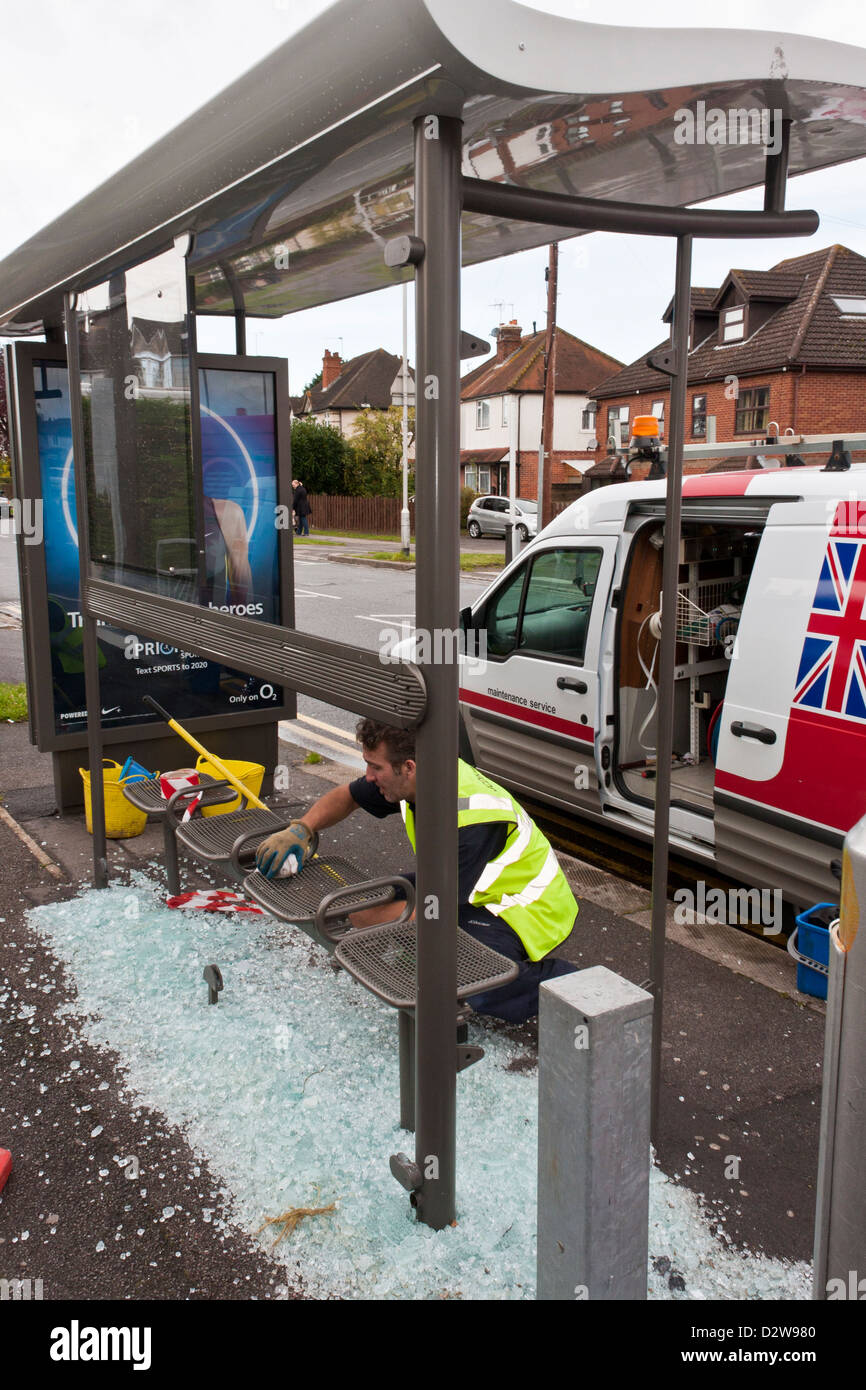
x=770, y=680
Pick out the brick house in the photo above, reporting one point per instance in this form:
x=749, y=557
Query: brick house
x=784, y=347
x=513, y=381
x=371, y=381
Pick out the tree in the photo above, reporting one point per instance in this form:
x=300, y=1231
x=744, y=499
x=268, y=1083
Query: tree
x=320, y=456
x=316, y=381
x=377, y=450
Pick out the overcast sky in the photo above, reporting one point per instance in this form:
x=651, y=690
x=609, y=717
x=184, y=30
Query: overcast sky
x=88, y=84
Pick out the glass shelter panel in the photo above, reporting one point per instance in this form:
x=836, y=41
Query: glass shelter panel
x=134, y=351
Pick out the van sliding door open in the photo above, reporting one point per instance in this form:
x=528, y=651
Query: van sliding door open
x=716, y=562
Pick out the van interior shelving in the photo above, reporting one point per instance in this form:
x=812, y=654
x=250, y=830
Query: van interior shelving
x=716, y=560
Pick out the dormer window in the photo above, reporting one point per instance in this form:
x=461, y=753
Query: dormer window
x=850, y=307
x=732, y=325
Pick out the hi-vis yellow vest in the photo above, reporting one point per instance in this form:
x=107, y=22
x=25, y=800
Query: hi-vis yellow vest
x=524, y=884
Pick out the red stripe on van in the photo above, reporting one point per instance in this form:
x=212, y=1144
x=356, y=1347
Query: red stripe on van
x=584, y=732
x=719, y=484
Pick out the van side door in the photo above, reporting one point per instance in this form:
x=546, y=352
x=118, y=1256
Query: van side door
x=791, y=764
x=530, y=697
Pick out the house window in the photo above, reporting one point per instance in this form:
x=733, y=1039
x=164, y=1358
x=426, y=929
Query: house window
x=587, y=419
x=699, y=416
x=658, y=410
x=617, y=424
x=753, y=411
x=733, y=324
x=503, y=417
x=470, y=477
x=482, y=415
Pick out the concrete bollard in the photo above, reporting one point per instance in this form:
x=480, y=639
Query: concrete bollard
x=595, y=1032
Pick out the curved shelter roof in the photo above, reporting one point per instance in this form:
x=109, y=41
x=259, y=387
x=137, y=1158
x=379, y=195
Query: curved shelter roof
x=294, y=176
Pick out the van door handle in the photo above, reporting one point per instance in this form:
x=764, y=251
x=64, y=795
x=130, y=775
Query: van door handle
x=741, y=730
x=563, y=683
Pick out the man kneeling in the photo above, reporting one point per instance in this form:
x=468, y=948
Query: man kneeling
x=512, y=893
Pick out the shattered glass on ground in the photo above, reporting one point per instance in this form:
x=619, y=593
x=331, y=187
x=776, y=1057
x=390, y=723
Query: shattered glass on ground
x=289, y=1089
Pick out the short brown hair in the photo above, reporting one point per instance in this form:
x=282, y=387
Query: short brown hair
x=399, y=743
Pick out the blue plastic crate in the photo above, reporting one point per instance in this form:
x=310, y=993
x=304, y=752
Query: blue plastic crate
x=810, y=947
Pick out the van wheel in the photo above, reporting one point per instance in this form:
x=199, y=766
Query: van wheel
x=522, y=533
x=474, y=530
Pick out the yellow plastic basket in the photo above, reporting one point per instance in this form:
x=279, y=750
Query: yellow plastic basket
x=251, y=774
x=122, y=819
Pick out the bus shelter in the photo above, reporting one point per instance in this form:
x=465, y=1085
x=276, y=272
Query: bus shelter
x=397, y=140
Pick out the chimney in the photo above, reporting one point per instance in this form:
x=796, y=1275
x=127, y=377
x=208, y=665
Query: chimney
x=332, y=365
x=509, y=338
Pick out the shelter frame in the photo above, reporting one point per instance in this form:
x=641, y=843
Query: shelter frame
x=440, y=196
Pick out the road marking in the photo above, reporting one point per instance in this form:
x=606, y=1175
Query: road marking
x=318, y=743
x=311, y=593
x=365, y=618
x=332, y=728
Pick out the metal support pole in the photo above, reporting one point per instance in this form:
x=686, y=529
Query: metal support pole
x=545, y=453
x=776, y=172
x=513, y=418
x=89, y=644
x=511, y=544
x=594, y=1036
x=240, y=332
x=169, y=844
x=677, y=369
x=840, y=1222
x=406, y=1025
x=437, y=404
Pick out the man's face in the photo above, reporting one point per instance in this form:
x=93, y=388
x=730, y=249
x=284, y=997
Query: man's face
x=394, y=785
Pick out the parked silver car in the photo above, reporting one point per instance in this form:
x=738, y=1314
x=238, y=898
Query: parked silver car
x=488, y=515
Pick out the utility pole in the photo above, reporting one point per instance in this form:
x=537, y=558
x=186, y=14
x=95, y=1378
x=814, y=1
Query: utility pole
x=546, y=446
x=404, y=514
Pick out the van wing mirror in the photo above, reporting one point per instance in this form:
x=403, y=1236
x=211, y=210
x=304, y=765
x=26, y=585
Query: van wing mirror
x=469, y=645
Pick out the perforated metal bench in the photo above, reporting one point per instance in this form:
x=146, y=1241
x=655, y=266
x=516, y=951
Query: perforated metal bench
x=228, y=842
x=381, y=958
x=319, y=900
x=146, y=795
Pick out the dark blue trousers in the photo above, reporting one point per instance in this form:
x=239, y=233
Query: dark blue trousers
x=517, y=1001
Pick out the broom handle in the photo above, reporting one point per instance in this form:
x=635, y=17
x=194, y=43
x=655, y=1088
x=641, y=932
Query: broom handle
x=200, y=748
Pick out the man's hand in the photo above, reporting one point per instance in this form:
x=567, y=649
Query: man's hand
x=287, y=850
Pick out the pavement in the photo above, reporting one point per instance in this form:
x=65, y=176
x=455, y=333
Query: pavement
x=740, y=1083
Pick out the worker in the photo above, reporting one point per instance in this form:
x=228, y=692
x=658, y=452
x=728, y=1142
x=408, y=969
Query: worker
x=512, y=893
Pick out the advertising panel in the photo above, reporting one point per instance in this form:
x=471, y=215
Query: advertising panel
x=242, y=570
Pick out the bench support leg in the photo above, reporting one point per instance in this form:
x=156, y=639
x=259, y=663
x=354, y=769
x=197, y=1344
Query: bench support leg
x=172, y=873
x=406, y=1024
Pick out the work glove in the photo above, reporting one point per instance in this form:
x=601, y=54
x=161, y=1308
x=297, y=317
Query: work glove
x=287, y=851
